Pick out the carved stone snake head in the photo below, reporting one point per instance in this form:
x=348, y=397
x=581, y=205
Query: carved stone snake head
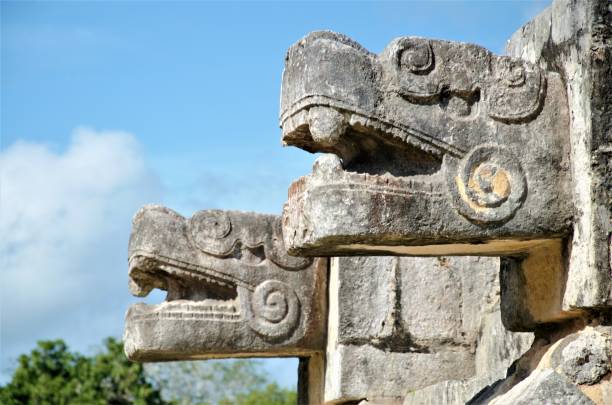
x=232, y=290
x=431, y=147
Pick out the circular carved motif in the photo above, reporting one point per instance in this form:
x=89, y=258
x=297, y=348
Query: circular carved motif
x=210, y=224
x=275, y=309
x=415, y=55
x=490, y=184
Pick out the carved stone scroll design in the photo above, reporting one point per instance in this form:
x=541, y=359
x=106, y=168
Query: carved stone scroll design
x=423, y=116
x=432, y=148
x=517, y=90
x=211, y=224
x=489, y=185
x=213, y=233
x=416, y=56
x=275, y=309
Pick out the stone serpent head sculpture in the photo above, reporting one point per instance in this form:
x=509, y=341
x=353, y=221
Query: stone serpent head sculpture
x=231, y=288
x=432, y=148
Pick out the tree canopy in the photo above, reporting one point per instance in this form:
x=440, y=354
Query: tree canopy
x=52, y=374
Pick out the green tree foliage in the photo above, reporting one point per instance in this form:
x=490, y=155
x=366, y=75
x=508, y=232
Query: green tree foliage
x=52, y=374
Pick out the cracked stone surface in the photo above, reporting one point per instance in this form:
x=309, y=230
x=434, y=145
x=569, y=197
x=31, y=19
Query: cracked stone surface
x=588, y=358
x=424, y=156
x=426, y=146
x=544, y=387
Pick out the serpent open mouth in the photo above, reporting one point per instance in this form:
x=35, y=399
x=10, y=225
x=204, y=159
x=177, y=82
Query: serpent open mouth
x=369, y=168
x=380, y=186
x=192, y=293
x=367, y=152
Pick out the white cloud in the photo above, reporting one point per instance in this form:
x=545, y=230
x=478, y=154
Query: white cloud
x=65, y=220
x=64, y=225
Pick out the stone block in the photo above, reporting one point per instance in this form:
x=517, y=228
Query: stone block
x=400, y=325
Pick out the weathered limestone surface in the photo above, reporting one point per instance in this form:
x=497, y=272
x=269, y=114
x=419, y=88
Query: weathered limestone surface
x=422, y=161
x=426, y=156
x=587, y=359
x=496, y=350
x=399, y=326
x=573, y=368
x=232, y=288
x=444, y=148
x=428, y=144
x=544, y=387
x=432, y=148
x=574, y=38
x=393, y=328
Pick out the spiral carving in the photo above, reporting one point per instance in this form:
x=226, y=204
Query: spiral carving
x=275, y=310
x=490, y=184
x=210, y=224
x=414, y=55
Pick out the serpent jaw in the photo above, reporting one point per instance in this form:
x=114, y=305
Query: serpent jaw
x=190, y=294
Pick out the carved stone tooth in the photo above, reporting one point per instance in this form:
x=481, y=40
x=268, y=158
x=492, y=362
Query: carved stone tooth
x=174, y=289
x=326, y=125
x=139, y=289
x=327, y=164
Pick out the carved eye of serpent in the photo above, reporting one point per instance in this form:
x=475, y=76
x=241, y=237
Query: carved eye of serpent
x=210, y=224
x=415, y=55
x=275, y=309
x=490, y=184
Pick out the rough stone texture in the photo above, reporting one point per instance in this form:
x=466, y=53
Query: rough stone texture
x=232, y=290
x=421, y=320
x=588, y=358
x=356, y=372
x=399, y=326
x=429, y=142
x=431, y=148
x=426, y=157
x=574, y=38
x=584, y=357
x=592, y=344
x=496, y=349
x=543, y=387
x=456, y=392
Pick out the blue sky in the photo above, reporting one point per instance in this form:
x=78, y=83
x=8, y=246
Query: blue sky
x=109, y=106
